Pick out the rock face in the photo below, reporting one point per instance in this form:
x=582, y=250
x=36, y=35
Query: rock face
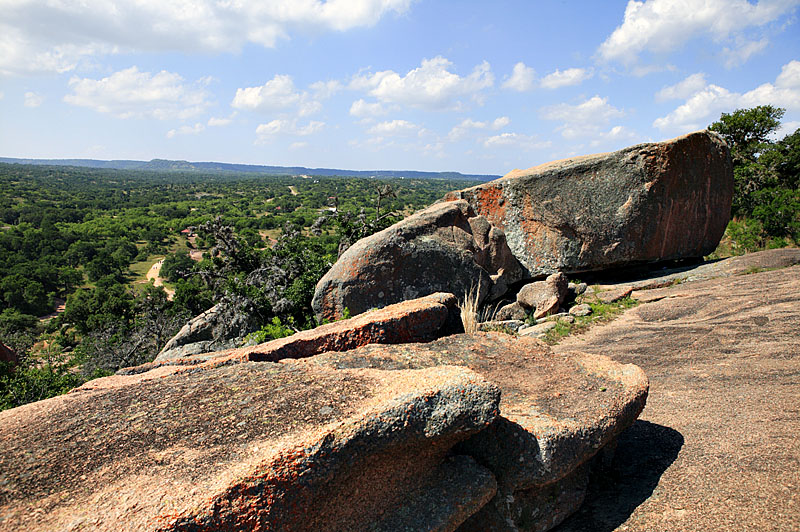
x=649, y=202
x=249, y=446
x=557, y=412
x=444, y=248
x=8, y=355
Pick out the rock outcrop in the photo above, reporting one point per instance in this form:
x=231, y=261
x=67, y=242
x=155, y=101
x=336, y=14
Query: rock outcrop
x=249, y=446
x=646, y=203
x=8, y=355
x=557, y=412
x=417, y=320
x=544, y=297
x=444, y=248
x=209, y=331
x=650, y=202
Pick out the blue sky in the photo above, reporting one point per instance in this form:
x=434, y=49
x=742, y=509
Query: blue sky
x=470, y=86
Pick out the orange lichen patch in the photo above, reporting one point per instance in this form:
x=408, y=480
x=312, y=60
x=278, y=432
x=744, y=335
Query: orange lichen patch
x=488, y=200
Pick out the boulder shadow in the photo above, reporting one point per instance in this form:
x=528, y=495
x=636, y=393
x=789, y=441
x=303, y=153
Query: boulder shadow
x=643, y=453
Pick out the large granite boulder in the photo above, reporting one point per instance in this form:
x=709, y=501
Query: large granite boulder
x=249, y=446
x=557, y=412
x=650, y=202
x=444, y=248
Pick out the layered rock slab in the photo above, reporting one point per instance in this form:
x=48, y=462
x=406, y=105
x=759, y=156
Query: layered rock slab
x=416, y=320
x=557, y=412
x=649, y=202
x=444, y=248
x=248, y=446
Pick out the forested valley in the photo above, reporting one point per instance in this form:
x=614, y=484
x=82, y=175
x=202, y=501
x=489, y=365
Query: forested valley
x=76, y=246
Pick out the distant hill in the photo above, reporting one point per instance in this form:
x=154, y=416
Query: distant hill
x=164, y=165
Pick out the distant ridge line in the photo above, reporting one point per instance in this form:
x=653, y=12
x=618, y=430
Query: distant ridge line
x=166, y=165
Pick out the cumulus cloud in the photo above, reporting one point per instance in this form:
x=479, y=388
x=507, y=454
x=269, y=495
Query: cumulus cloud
x=707, y=103
x=584, y=119
x=394, y=127
x=661, y=26
x=131, y=93
x=741, y=53
x=40, y=36
x=219, y=122
x=522, y=78
x=431, y=86
x=565, y=78
x=280, y=94
x=33, y=100
x=186, y=130
x=683, y=89
x=466, y=125
x=277, y=93
x=267, y=132
x=517, y=140
x=363, y=109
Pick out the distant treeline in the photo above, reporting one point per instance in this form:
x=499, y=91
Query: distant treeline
x=164, y=165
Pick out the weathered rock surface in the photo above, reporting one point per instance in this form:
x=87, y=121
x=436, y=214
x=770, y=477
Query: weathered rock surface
x=649, y=202
x=582, y=309
x=512, y=311
x=204, y=333
x=417, y=320
x=557, y=411
x=717, y=447
x=444, y=248
x=249, y=446
x=538, y=330
x=544, y=297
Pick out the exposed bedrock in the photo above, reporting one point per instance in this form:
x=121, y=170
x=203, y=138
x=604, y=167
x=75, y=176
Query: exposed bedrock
x=444, y=248
x=649, y=202
x=556, y=413
x=250, y=446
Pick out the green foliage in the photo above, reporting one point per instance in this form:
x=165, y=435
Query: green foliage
x=269, y=331
x=177, y=266
x=766, y=201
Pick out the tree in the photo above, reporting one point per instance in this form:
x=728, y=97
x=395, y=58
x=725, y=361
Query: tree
x=747, y=131
x=176, y=266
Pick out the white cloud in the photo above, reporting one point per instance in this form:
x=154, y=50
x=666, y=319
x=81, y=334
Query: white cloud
x=516, y=140
x=683, y=89
x=219, y=122
x=280, y=93
x=277, y=93
x=130, y=93
x=33, y=100
x=462, y=129
x=746, y=49
x=186, y=130
x=614, y=136
x=584, y=119
x=266, y=132
x=298, y=145
x=393, y=127
x=326, y=89
x=522, y=78
x=40, y=36
x=565, y=78
x=363, y=109
x=707, y=103
x=665, y=25
x=430, y=86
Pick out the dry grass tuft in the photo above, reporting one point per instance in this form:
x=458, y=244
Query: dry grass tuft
x=469, y=311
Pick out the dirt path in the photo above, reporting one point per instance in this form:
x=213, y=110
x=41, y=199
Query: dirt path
x=293, y=190
x=717, y=447
x=153, y=275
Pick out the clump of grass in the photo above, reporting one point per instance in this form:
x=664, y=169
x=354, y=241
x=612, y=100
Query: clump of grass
x=601, y=313
x=469, y=311
x=472, y=315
